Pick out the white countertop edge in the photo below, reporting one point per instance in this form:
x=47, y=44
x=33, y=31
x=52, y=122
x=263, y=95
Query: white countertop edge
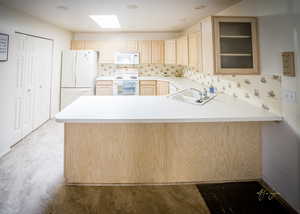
x=202, y=120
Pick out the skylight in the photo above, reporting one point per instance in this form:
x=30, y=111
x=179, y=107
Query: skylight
x=106, y=21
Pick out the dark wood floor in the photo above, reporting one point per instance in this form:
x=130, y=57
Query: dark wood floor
x=242, y=198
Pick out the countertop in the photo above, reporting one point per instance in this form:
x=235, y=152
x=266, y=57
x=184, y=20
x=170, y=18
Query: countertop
x=160, y=109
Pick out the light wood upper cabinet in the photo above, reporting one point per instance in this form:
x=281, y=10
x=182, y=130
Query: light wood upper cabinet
x=208, y=64
x=193, y=49
x=132, y=45
x=236, y=45
x=145, y=49
x=108, y=51
x=182, y=51
x=78, y=44
x=170, y=52
x=158, y=51
x=93, y=45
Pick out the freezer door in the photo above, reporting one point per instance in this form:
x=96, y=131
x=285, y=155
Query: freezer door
x=86, y=67
x=69, y=95
x=68, y=77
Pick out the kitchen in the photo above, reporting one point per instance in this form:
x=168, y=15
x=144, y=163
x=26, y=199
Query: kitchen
x=189, y=107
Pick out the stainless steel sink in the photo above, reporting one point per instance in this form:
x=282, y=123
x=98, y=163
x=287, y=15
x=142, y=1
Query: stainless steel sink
x=191, y=95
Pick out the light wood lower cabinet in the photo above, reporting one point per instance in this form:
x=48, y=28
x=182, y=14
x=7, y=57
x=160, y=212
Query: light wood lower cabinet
x=148, y=88
x=104, y=88
x=162, y=88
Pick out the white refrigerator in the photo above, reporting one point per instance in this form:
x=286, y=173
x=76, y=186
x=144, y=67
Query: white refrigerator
x=79, y=70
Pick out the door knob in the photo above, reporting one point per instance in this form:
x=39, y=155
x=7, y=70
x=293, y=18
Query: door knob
x=29, y=90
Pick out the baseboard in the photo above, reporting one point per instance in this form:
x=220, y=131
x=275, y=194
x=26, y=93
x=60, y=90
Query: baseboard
x=279, y=197
x=159, y=184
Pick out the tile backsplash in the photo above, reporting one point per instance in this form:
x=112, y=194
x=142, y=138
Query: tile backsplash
x=263, y=91
x=145, y=69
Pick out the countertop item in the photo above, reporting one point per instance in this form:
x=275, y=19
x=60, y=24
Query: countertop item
x=160, y=109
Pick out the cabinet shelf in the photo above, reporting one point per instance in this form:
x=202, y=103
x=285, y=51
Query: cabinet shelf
x=235, y=37
x=236, y=54
x=236, y=46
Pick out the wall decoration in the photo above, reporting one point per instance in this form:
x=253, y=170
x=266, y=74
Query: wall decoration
x=288, y=62
x=4, y=42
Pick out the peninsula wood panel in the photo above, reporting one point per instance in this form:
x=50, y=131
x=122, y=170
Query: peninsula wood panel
x=97, y=154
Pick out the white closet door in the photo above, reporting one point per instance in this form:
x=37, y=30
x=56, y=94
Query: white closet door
x=43, y=72
x=68, y=78
x=29, y=89
x=85, y=75
x=33, y=84
x=19, y=84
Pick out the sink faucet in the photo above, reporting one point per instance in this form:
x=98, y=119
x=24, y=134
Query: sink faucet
x=205, y=97
x=200, y=100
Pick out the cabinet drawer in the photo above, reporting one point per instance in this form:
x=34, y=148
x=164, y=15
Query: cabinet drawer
x=147, y=82
x=148, y=90
x=163, y=83
x=104, y=82
x=104, y=91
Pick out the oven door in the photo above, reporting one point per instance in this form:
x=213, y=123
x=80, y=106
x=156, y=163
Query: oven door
x=126, y=87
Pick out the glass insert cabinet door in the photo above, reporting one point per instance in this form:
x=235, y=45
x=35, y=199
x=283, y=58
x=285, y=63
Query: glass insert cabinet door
x=236, y=45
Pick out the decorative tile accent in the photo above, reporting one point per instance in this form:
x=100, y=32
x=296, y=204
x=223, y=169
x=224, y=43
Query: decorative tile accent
x=263, y=91
x=145, y=69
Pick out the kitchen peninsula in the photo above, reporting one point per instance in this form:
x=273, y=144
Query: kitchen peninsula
x=113, y=140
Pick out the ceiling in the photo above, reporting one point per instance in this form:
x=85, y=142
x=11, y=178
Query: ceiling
x=150, y=15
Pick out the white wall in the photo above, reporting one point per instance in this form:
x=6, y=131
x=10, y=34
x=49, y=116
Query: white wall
x=126, y=36
x=279, y=30
x=11, y=21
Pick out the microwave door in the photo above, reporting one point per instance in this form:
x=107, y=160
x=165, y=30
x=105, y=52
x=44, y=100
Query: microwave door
x=123, y=59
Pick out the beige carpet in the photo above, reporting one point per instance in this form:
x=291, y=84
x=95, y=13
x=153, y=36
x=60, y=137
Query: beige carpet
x=31, y=181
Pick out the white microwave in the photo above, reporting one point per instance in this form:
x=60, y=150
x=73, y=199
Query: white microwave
x=127, y=58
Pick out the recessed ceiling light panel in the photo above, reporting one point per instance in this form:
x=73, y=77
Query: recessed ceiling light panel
x=106, y=21
x=200, y=7
x=62, y=7
x=132, y=6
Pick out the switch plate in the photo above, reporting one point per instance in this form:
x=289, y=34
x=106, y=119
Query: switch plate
x=290, y=96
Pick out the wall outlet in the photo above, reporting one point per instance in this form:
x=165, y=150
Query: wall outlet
x=290, y=96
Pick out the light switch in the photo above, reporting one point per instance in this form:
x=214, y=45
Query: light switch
x=290, y=96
